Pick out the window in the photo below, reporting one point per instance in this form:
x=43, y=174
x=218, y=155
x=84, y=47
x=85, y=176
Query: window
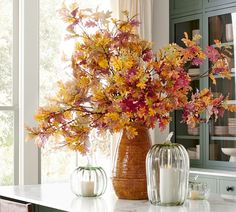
x=8, y=94
x=30, y=64
x=56, y=164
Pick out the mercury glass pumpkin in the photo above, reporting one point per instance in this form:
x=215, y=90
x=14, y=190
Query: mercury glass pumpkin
x=167, y=169
x=88, y=181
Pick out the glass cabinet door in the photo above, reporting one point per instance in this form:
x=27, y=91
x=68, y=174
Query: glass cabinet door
x=188, y=137
x=222, y=133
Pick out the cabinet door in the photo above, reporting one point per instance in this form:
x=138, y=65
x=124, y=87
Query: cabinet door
x=184, y=6
x=212, y=3
x=228, y=187
x=39, y=208
x=188, y=137
x=12, y=206
x=222, y=133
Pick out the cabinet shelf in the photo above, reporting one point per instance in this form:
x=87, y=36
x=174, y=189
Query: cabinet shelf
x=231, y=102
x=225, y=44
x=223, y=138
x=232, y=74
x=188, y=137
x=196, y=77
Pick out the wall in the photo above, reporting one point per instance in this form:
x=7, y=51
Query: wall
x=160, y=38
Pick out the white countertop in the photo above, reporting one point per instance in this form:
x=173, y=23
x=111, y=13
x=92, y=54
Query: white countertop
x=59, y=196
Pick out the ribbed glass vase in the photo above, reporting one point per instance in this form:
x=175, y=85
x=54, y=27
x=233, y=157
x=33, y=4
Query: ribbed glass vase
x=167, y=169
x=89, y=180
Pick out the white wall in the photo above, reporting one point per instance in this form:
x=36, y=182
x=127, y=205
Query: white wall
x=160, y=38
x=160, y=23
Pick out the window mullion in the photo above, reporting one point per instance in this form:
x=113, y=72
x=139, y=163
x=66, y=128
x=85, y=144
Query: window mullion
x=15, y=106
x=29, y=89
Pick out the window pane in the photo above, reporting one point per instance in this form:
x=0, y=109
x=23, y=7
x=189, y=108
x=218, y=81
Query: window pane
x=56, y=165
x=6, y=147
x=6, y=48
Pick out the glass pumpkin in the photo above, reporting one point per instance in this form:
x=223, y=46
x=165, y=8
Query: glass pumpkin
x=88, y=181
x=167, y=170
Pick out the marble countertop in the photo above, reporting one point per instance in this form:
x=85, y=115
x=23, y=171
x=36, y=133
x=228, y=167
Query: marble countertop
x=59, y=196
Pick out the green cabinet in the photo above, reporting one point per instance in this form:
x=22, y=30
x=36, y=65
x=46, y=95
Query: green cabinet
x=217, y=182
x=221, y=135
x=211, y=182
x=188, y=137
x=180, y=6
x=39, y=208
x=208, y=4
x=212, y=144
x=227, y=186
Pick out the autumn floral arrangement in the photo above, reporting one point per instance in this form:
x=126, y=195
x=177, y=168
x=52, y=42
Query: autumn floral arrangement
x=119, y=82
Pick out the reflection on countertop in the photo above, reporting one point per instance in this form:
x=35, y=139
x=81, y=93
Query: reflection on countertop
x=59, y=196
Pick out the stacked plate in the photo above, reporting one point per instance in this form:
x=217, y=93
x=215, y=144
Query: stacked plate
x=232, y=126
x=192, y=72
x=193, y=131
x=221, y=130
x=192, y=152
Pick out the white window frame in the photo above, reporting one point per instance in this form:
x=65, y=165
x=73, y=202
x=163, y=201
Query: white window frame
x=15, y=83
x=29, y=154
x=16, y=88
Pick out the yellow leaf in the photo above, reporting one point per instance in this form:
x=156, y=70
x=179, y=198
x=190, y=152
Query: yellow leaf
x=116, y=63
x=212, y=78
x=83, y=82
x=113, y=116
x=152, y=112
x=103, y=63
x=127, y=64
x=141, y=85
x=67, y=114
x=40, y=116
x=131, y=132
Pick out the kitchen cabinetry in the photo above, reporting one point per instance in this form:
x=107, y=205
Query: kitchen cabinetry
x=213, y=144
x=221, y=182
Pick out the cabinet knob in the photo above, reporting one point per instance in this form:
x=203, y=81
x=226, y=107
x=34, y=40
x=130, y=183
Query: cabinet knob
x=229, y=188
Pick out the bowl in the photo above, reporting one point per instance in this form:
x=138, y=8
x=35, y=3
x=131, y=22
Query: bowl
x=198, y=190
x=231, y=152
x=220, y=130
x=192, y=152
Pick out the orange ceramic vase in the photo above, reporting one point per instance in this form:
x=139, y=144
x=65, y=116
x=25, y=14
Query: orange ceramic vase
x=129, y=169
